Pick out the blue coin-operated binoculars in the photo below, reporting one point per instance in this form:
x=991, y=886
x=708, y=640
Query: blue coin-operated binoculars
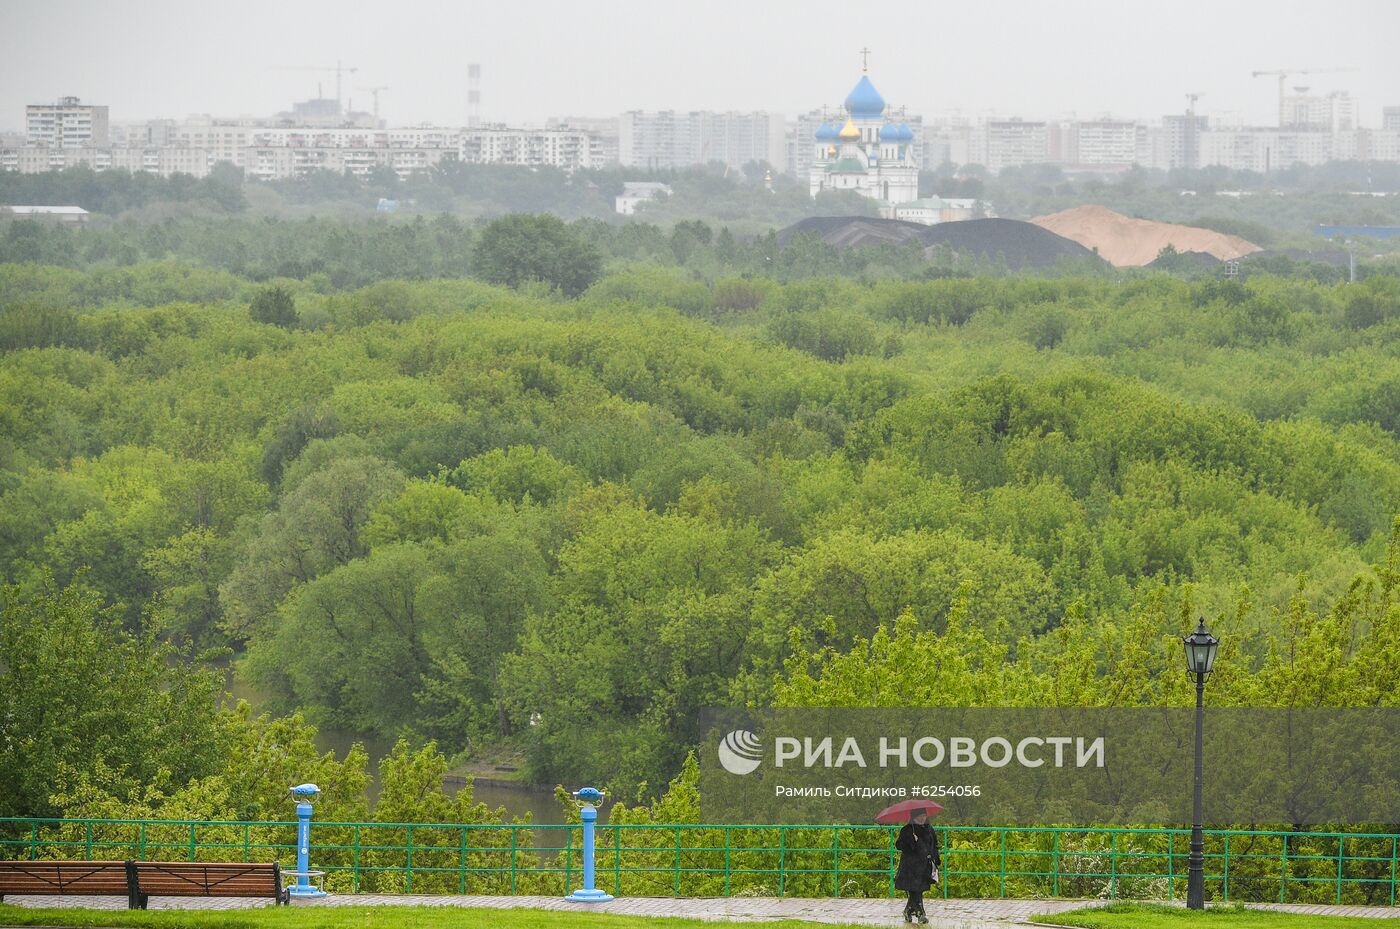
x=588, y=797
x=304, y=794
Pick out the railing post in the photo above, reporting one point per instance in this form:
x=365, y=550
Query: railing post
x=1341, y=843
x=245, y=842
x=1171, y=836
x=191, y=841
x=835, y=861
x=676, y=888
x=617, y=860
x=1113, y=867
x=513, y=830
x=782, y=862
x=1394, y=858
x=462, y=884
x=34, y=840
x=890, y=834
x=568, y=857
x=1002, y=891
x=143, y=841
x=408, y=864
x=355, y=874
x=947, y=856
x=1055, y=865
x=727, y=832
x=1227, y=868
x=1283, y=870
x=87, y=841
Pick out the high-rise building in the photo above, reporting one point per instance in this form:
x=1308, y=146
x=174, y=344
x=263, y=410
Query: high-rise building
x=1334, y=112
x=1013, y=142
x=69, y=123
x=1181, y=140
x=1390, y=117
x=603, y=128
x=671, y=139
x=1102, y=142
x=566, y=149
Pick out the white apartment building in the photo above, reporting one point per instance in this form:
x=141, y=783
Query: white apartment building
x=1334, y=112
x=165, y=161
x=1015, y=142
x=1390, y=117
x=69, y=123
x=603, y=128
x=671, y=139
x=565, y=149
x=1104, y=142
x=277, y=162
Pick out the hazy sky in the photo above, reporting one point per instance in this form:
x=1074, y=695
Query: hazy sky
x=147, y=58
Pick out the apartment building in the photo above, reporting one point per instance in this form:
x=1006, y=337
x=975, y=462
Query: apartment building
x=68, y=123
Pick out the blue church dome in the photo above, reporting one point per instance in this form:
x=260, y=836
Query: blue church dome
x=827, y=133
x=905, y=133
x=889, y=132
x=865, y=102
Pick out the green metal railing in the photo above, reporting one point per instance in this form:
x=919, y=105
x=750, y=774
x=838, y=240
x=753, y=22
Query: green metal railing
x=772, y=860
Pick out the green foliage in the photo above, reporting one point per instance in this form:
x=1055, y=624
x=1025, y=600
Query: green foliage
x=447, y=510
x=274, y=306
x=515, y=249
x=80, y=699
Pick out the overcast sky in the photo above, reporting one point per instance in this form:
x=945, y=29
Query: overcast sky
x=539, y=58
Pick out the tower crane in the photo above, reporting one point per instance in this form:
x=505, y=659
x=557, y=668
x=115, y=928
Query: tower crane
x=1283, y=75
x=374, y=92
x=1192, y=134
x=338, y=68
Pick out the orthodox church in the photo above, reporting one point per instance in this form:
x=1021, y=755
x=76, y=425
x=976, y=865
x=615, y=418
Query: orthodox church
x=867, y=152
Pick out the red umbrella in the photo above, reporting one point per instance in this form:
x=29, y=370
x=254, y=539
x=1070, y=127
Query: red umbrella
x=900, y=812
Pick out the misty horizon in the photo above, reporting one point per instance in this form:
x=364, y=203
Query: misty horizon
x=1077, y=59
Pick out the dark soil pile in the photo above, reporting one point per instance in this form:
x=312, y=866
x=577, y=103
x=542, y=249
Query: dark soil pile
x=1202, y=261
x=1020, y=244
x=853, y=231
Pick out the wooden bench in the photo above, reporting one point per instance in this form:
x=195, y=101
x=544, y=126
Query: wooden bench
x=197, y=879
x=64, y=878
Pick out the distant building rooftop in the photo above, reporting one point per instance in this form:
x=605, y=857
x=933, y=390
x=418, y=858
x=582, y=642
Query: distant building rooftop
x=64, y=215
x=48, y=210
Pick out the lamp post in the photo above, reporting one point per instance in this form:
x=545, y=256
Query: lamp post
x=1201, y=647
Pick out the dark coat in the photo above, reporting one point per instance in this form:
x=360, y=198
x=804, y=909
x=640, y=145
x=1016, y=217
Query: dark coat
x=918, y=856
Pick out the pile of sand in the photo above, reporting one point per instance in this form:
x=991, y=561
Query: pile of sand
x=1128, y=242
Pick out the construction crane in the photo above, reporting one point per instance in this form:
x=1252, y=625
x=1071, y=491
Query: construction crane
x=338, y=68
x=1283, y=76
x=374, y=92
x=1189, y=139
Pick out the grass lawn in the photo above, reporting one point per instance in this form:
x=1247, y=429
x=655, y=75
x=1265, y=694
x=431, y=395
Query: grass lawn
x=355, y=917
x=1148, y=916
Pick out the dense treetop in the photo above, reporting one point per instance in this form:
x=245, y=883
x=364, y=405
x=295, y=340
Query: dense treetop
x=446, y=510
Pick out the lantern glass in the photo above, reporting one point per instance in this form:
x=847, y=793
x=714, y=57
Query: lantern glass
x=1201, y=648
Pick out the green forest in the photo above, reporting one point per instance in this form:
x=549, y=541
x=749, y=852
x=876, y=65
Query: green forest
x=552, y=488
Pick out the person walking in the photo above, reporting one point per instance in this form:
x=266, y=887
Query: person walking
x=919, y=863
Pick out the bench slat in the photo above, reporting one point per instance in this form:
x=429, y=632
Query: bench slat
x=93, y=878
x=214, y=879
x=138, y=880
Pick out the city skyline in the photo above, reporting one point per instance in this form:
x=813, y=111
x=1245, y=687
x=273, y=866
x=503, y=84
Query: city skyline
x=558, y=59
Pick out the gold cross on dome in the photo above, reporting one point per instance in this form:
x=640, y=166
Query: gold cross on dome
x=865, y=60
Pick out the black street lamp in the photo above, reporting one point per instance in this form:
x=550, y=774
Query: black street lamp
x=1201, y=647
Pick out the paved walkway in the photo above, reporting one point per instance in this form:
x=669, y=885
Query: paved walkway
x=943, y=914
